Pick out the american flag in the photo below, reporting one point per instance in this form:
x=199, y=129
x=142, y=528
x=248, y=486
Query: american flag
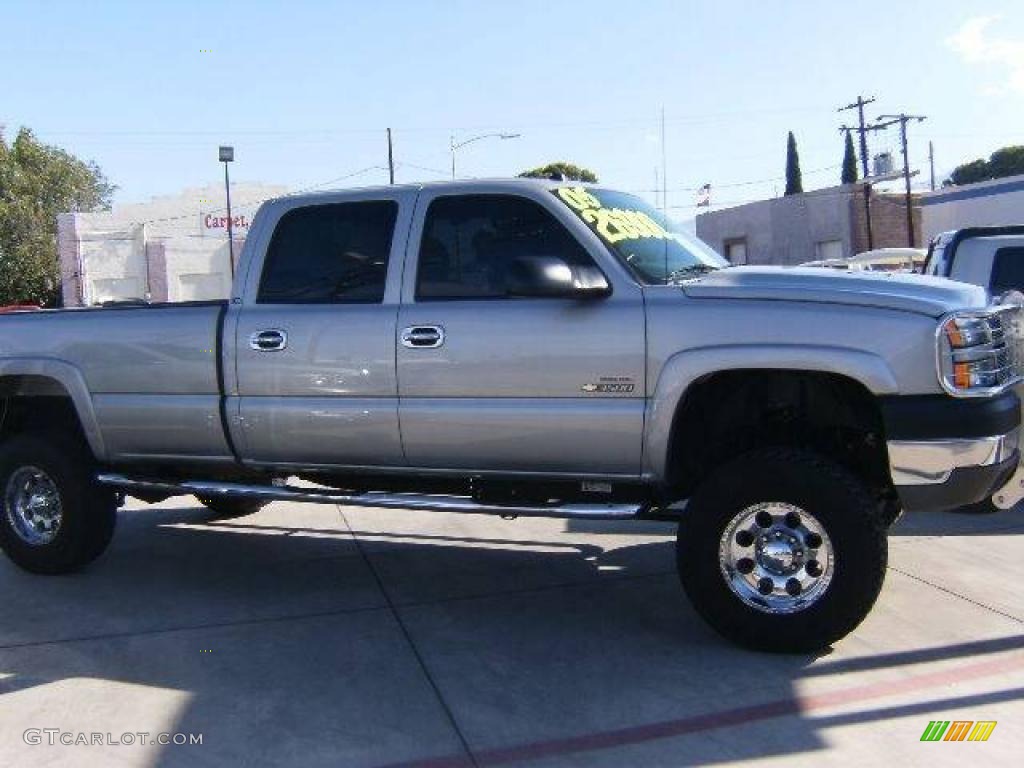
x=704, y=196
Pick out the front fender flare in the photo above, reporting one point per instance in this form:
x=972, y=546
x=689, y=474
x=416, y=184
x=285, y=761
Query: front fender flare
x=684, y=369
x=73, y=382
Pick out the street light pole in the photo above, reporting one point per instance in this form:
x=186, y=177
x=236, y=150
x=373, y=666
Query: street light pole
x=227, y=155
x=454, y=146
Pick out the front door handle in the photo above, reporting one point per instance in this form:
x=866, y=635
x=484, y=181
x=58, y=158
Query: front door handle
x=272, y=340
x=422, y=336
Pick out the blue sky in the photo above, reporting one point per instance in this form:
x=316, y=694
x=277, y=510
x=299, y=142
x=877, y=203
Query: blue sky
x=304, y=90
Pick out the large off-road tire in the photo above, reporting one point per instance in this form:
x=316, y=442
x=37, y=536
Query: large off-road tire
x=225, y=508
x=54, y=517
x=782, y=550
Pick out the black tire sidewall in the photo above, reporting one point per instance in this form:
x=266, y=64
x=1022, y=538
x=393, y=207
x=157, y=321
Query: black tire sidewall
x=822, y=488
x=88, y=511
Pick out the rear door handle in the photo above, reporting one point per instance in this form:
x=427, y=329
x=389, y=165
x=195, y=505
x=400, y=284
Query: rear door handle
x=422, y=336
x=271, y=340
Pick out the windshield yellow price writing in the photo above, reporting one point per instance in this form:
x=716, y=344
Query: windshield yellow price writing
x=612, y=224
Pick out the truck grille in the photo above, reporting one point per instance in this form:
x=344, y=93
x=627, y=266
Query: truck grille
x=1008, y=342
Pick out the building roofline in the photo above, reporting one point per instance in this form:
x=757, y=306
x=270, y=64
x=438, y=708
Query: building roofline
x=978, y=189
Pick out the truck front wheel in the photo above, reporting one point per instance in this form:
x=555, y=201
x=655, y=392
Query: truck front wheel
x=782, y=550
x=55, y=518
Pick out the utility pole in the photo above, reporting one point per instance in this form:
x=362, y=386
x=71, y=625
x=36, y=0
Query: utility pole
x=862, y=130
x=391, y=159
x=931, y=163
x=903, y=118
x=664, y=169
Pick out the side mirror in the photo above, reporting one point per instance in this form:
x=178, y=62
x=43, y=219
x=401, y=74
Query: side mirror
x=550, y=277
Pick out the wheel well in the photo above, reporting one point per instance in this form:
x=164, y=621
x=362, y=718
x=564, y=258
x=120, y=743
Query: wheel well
x=33, y=403
x=731, y=412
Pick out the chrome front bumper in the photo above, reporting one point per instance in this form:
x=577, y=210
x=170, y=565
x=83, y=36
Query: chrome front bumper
x=930, y=462
x=953, y=472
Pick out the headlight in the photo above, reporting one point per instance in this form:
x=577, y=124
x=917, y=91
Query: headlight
x=979, y=351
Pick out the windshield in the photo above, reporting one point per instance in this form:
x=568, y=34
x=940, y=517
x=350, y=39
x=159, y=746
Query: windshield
x=654, y=247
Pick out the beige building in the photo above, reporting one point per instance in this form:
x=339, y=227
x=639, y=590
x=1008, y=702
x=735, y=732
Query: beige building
x=171, y=248
x=820, y=224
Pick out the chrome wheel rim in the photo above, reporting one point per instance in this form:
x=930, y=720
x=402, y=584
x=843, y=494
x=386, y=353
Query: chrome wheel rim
x=776, y=557
x=33, y=506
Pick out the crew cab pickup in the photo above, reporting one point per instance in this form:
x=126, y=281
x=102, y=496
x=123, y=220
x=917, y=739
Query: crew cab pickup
x=520, y=348
x=993, y=258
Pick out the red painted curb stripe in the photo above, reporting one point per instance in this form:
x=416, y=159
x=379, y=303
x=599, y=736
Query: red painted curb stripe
x=669, y=728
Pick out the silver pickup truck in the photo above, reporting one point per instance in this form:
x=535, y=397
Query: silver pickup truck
x=527, y=348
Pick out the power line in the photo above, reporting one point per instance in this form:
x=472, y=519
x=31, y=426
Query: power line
x=278, y=133
x=248, y=204
x=735, y=184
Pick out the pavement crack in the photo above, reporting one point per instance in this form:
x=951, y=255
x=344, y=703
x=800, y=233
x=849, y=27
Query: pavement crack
x=192, y=627
x=956, y=594
x=412, y=643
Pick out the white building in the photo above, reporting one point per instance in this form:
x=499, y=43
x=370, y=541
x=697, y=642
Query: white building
x=995, y=203
x=172, y=248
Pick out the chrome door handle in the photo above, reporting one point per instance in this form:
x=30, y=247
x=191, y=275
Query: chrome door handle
x=422, y=336
x=272, y=340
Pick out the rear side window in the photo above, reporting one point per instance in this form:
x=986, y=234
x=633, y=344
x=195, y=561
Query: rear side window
x=1007, y=271
x=470, y=243
x=329, y=254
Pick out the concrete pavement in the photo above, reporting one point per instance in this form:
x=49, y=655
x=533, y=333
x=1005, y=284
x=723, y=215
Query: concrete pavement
x=314, y=635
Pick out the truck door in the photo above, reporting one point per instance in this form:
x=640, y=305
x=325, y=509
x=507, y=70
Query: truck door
x=492, y=382
x=315, y=338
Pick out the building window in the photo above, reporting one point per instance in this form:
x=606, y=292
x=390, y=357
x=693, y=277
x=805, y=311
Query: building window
x=736, y=251
x=828, y=249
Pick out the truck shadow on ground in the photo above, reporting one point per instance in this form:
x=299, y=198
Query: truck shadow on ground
x=537, y=644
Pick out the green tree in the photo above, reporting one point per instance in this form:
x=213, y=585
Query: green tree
x=567, y=171
x=1008, y=161
x=849, y=162
x=38, y=181
x=794, y=181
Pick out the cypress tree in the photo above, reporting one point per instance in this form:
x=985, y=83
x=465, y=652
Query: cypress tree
x=849, y=162
x=794, y=182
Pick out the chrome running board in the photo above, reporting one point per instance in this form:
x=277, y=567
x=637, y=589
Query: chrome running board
x=412, y=501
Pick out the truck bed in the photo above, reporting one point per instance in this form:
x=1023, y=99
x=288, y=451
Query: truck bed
x=153, y=372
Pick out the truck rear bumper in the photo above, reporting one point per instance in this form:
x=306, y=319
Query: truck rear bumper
x=946, y=453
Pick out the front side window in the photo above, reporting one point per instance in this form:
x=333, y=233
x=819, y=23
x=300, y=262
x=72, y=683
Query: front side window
x=471, y=243
x=329, y=254
x=653, y=246
x=1007, y=271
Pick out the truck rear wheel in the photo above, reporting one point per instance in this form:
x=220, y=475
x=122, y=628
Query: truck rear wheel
x=225, y=508
x=782, y=550
x=55, y=517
